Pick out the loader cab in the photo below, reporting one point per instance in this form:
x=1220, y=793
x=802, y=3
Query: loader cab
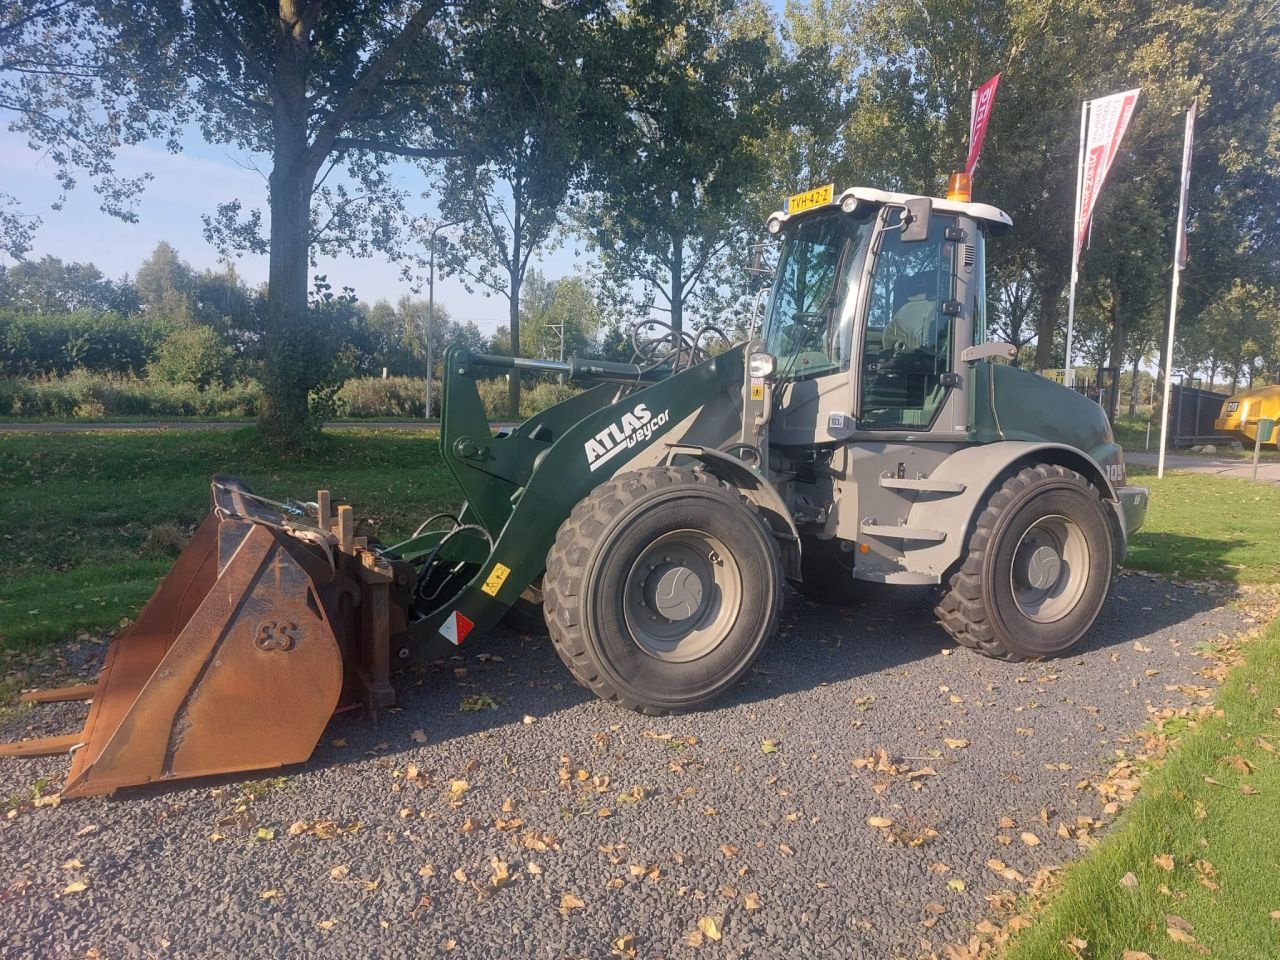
x=875, y=297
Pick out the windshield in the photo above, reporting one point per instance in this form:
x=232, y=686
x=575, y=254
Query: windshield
x=812, y=305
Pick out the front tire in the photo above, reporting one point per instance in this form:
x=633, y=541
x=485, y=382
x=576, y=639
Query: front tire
x=661, y=589
x=1038, y=569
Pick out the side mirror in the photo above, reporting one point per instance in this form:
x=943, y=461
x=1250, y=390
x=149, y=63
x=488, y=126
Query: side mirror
x=916, y=215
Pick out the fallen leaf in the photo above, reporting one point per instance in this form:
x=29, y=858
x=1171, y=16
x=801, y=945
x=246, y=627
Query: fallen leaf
x=533, y=868
x=710, y=927
x=955, y=744
x=427, y=870
x=528, y=718
x=786, y=850
x=768, y=746
x=264, y=833
x=728, y=849
x=76, y=886
x=458, y=787
x=339, y=872
x=1179, y=936
x=956, y=884
x=1129, y=881
x=752, y=901
x=271, y=895
x=1030, y=839
x=72, y=864
x=418, y=736
x=1135, y=955
x=879, y=822
x=1163, y=861
x=327, y=924
x=569, y=902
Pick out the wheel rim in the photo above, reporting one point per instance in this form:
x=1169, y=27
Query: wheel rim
x=1050, y=569
x=682, y=596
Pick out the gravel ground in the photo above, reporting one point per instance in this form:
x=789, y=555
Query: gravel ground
x=649, y=824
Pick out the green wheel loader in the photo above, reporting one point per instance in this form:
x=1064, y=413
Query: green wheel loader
x=869, y=436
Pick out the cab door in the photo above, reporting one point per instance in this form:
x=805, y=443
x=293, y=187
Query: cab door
x=912, y=323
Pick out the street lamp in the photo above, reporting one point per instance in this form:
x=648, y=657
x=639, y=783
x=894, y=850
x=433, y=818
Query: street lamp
x=431, y=302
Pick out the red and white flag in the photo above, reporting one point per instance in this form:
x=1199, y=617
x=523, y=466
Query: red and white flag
x=1108, y=120
x=983, y=100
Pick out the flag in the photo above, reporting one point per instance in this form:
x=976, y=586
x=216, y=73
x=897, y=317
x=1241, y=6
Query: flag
x=1108, y=119
x=983, y=99
x=1180, y=255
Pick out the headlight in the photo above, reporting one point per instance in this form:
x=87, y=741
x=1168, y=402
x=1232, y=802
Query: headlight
x=761, y=365
x=849, y=204
x=774, y=224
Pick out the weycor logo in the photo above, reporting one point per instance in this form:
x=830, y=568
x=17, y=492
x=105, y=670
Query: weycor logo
x=634, y=427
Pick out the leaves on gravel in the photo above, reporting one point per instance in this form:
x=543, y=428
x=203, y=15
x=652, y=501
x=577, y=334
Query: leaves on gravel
x=569, y=903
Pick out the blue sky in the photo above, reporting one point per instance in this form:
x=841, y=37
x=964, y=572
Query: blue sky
x=190, y=184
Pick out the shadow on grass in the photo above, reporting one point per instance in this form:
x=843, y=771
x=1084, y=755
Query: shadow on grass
x=1187, y=557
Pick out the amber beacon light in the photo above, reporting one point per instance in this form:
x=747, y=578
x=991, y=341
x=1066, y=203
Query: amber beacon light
x=960, y=187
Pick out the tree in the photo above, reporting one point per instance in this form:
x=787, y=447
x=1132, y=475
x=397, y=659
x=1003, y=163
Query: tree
x=312, y=85
x=64, y=85
x=670, y=207
x=165, y=282
x=559, y=319
x=49, y=286
x=533, y=118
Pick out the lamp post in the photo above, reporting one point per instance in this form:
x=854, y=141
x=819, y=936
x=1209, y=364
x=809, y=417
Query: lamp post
x=431, y=302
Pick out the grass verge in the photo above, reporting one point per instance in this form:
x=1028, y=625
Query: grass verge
x=90, y=522
x=1190, y=870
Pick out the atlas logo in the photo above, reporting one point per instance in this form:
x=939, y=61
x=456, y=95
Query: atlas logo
x=634, y=427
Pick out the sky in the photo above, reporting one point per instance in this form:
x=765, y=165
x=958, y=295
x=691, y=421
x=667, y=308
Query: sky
x=192, y=183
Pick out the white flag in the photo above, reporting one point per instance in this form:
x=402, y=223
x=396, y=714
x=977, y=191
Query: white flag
x=1108, y=120
x=1188, y=138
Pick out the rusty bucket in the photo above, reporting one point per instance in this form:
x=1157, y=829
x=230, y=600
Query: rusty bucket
x=238, y=660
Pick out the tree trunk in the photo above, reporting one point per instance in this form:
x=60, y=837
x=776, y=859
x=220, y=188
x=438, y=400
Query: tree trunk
x=677, y=288
x=1133, y=389
x=1050, y=288
x=516, y=275
x=513, y=385
x=1117, y=354
x=293, y=360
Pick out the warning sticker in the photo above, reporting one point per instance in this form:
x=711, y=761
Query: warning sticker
x=497, y=577
x=757, y=391
x=455, y=628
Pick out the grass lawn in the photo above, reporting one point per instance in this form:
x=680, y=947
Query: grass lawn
x=90, y=522
x=1202, y=527
x=1213, y=811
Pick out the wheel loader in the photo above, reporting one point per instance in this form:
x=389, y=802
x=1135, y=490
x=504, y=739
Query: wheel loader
x=870, y=435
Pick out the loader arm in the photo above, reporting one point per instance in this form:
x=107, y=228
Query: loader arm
x=521, y=485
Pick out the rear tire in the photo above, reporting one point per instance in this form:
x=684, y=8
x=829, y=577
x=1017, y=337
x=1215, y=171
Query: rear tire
x=1038, y=569
x=661, y=589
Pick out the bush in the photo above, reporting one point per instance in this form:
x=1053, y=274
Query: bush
x=192, y=355
x=89, y=395
x=373, y=397
x=533, y=399
x=56, y=344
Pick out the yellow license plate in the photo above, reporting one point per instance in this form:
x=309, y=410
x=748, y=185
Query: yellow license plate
x=817, y=197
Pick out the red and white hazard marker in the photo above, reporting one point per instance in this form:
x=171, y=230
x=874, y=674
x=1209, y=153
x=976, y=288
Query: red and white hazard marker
x=455, y=628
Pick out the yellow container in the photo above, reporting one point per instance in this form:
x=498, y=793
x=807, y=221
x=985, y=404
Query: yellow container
x=1241, y=413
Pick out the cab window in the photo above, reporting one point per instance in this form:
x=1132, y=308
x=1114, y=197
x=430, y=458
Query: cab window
x=907, y=346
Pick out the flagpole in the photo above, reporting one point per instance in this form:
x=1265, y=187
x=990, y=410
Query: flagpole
x=1179, y=257
x=1068, y=375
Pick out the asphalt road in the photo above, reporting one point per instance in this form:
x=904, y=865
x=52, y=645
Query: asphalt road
x=700, y=822
x=1268, y=469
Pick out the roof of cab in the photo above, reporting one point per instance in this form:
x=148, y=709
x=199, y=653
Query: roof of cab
x=988, y=214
